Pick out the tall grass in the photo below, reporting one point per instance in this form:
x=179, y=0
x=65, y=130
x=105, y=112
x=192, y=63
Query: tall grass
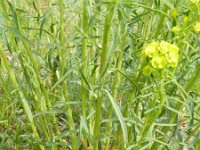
x=74, y=75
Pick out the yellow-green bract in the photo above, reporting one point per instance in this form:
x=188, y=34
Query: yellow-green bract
x=196, y=27
x=176, y=29
x=194, y=1
x=161, y=54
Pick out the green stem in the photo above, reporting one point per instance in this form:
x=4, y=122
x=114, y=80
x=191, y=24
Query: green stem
x=160, y=25
x=84, y=58
x=152, y=116
x=180, y=106
x=64, y=86
x=25, y=104
x=117, y=80
x=62, y=36
x=42, y=120
x=106, y=37
x=103, y=63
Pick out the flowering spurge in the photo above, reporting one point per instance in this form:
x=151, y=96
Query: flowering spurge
x=196, y=26
x=194, y=1
x=160, y=55
x=176, y=29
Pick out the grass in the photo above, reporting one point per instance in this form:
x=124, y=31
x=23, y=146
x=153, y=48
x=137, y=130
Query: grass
x=74, y=74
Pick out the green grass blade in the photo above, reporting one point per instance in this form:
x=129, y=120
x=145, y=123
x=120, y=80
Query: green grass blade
x=120, y=117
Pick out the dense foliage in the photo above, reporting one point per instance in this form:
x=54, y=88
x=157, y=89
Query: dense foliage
x=100, y=74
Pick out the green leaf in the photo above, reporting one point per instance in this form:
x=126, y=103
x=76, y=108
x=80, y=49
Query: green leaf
x=14, y=15
x=43, y=21
x=84, y=78
x=61, y=79
x=61, y=103
x=49, y=112
x=6, y=41
x=120, y=117
x=83, y=125
x=17, y=34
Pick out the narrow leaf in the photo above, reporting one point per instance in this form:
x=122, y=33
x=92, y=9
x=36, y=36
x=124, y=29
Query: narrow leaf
x=120, y=117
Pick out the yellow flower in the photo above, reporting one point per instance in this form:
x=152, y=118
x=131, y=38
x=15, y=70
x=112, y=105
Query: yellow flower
x=151, y=49
x=176, y=29
x=173, y=55
x=194, y=1
x=174, y=12
x=160, y=55
x=185, y=19
x=164, y=47
x=173, y=48
x=147, y=70
x=196, y=27
x=172, y=59
x=158, y=62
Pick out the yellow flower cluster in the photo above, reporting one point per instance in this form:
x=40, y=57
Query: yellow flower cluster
x=176, y=29
x=196, y=26
x=194, y=1
x=161, y=54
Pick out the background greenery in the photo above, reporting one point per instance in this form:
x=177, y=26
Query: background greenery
x=72, y=75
